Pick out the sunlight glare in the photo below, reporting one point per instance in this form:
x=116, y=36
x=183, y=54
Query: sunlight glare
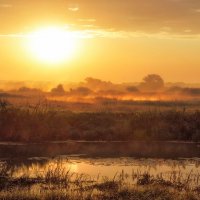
x=52, y=45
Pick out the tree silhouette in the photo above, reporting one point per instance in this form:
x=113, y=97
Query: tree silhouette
x=152, y=83
x=132, y=89
x=58, y=90
x=81, y=91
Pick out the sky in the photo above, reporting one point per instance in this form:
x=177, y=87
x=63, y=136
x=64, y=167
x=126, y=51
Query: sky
x=116, y=40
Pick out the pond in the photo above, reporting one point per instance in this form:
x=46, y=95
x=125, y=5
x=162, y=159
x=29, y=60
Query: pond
x=105, y=159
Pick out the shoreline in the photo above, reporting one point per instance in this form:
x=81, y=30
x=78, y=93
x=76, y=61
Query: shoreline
x=9, y=143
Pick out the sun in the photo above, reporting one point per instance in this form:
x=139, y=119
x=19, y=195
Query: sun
x=52, y=44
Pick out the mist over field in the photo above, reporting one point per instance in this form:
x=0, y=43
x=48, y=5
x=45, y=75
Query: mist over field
x=92, y=90
x=97, y=110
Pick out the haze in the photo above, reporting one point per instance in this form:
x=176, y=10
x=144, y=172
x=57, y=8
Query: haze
x=117, y=40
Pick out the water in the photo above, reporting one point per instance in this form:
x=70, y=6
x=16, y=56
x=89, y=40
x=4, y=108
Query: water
x=111, y=167
x=138, y=149
x=105, y=159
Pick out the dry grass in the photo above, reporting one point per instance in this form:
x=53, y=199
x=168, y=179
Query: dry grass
x=59, y=183
x=22, y=124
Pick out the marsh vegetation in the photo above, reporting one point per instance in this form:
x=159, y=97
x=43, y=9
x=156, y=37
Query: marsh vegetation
x=56, y=181
x=115, y=129
x=38, y=123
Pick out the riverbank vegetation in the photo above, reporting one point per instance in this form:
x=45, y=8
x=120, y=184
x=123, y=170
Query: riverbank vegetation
x=37, y=124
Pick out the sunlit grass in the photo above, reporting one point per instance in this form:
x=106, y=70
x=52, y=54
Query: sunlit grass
x=60, y=183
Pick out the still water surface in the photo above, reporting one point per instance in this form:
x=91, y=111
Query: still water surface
x=110, y=167
x=106, y=159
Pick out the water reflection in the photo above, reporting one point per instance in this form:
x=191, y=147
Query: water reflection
x=107, y=167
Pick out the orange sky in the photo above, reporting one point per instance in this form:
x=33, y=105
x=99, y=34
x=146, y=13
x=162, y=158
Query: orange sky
x=119, y=40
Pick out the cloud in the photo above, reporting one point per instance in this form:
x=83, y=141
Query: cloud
x=112, y=19
x=91, y=32
x=73, y=7
x=87, y=20
x=149, y=16
x=6, y=5
x=14, y=35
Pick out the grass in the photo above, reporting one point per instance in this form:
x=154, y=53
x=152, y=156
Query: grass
x=37, y=124
x=59, y=183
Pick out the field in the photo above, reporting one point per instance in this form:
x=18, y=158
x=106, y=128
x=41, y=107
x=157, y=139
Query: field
x=110, y=129
x=163, y=121
x=57, y=182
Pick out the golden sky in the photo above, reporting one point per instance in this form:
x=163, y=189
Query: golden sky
x=117, y=40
